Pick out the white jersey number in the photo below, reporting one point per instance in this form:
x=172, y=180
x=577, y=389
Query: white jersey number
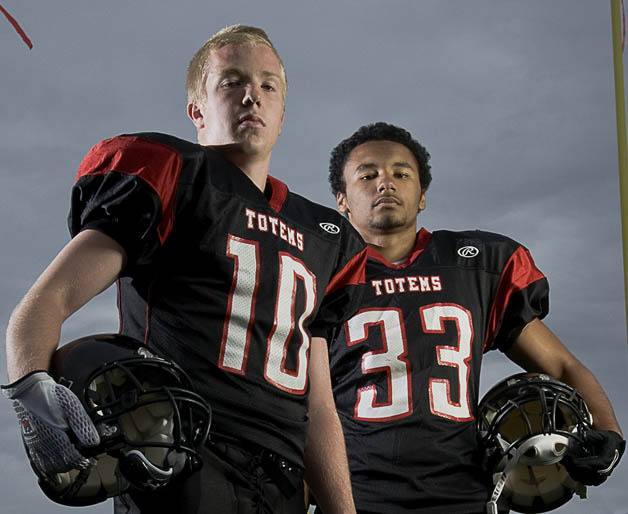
x=392, y=360
x=441, y=404
x=239, y=319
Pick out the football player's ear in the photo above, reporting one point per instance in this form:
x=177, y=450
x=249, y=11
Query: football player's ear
x=196, y=115
x=341, y=203
x=422, y=201
x=283, y=117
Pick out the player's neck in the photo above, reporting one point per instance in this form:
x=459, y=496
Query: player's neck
x=255, y=167
x=394, y=247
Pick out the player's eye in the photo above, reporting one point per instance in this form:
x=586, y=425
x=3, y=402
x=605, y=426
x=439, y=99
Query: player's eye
x=268, y=87
x=228, y=83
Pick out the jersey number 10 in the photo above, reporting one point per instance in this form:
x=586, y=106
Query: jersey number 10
x=392, y=360
x=240, y=316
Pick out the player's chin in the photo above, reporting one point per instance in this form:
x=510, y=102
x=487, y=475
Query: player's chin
x=249, y=146
x=385, y=222
x=253, y=141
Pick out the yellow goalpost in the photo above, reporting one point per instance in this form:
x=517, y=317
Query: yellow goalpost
x=618, y=26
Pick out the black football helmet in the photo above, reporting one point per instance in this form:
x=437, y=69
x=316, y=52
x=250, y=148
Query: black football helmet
x=525, y=425
x=151, y=423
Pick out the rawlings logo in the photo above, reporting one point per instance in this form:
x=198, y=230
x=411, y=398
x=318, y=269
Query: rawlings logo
x=468, y=251
x=330, y=227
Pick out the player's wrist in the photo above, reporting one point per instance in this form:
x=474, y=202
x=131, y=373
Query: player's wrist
x=613, y=433
x=16, y=389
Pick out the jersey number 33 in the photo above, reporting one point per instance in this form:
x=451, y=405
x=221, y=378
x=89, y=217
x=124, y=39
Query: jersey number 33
x=392, y=359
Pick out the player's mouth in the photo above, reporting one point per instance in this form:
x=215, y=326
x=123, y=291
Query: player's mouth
x=386, y=200
x=250, y=120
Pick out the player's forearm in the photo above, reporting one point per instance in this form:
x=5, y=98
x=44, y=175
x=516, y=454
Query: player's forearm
x=538, y=349
x=579, y=377
x=33, y=333
x=87, y=265
x=326, y=469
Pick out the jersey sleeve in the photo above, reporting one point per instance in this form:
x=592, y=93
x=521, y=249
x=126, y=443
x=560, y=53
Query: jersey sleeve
x=522, y=295
x=126, y=188
x=343, y=293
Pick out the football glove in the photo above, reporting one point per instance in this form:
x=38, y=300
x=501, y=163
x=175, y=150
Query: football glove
x=592, y=462
x=53, y=422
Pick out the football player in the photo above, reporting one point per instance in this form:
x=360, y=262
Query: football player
x=406, y=367
x=219, y=269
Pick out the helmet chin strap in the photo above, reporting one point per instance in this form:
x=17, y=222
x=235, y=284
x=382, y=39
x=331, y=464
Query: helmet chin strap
x=538, y=450
x=142, y=473
x=500, y=481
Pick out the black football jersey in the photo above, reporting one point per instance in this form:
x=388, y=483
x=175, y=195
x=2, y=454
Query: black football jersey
x=226, y=280
x=406, y=367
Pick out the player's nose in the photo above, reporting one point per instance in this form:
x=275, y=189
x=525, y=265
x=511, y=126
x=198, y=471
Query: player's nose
x=385, y=183
x=252, y=95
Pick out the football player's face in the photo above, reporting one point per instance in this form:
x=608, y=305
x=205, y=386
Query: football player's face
x=244, y=105
x=383, y=191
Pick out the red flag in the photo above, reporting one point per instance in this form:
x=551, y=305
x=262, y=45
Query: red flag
x=17, y=27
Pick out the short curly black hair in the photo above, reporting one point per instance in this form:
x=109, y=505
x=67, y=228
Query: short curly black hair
x=379, y=131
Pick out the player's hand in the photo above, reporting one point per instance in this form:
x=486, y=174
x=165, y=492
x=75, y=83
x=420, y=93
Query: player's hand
x=49, y=415
x=593, y=462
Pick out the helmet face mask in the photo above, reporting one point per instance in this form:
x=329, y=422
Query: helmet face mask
x=150, y=421
x=525, y=425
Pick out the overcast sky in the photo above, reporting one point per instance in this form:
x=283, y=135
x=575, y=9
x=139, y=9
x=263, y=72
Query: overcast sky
x=513, y=98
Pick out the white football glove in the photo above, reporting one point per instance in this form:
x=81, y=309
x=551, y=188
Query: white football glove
x=48, y=414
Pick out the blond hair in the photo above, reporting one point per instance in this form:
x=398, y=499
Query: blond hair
x=231, y=35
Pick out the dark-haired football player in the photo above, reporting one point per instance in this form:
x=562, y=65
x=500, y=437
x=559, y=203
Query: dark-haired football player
x=406, y=367
x=219, y=268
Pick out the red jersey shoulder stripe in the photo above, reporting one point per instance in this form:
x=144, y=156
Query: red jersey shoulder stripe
x=353, y=273
x=518, y=273
x=156, y=164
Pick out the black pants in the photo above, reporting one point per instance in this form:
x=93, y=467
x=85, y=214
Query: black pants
x=232, y=480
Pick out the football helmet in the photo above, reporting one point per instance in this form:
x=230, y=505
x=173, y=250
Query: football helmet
x=525, y=425
x=151, y=423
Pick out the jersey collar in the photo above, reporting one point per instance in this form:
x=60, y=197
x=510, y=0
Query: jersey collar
x=276, y=192
x=423, y=237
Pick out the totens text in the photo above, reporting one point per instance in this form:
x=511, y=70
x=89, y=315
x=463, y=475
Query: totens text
x=410, y=284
